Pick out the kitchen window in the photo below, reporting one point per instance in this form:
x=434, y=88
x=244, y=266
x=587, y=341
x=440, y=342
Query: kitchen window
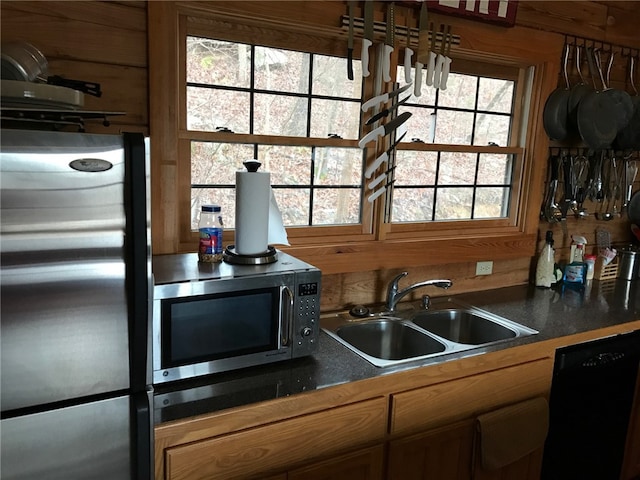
x=270, y=98
x=457, y=178
x=263, y=92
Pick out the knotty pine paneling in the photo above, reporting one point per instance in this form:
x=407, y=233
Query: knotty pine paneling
x=103, y=42
x=106, y=42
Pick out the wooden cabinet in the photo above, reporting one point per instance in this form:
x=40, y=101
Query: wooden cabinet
x=446, y=402
x=446, y=412
x=273, y=448
x=363, y=464
x=444, y=453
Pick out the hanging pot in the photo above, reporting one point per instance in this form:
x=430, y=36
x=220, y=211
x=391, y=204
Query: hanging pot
x=578, y=92
x=555, y=111
x=601, y=114
x=628, y=138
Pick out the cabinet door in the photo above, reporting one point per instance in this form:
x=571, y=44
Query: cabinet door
x=365, y=464
x=274, y=447
x=443, y=453
x=527, y=468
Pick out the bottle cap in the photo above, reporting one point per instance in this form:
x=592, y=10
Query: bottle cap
x=211, y=208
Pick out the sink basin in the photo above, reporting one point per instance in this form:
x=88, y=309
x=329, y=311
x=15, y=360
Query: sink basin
x=389, y=340
x=386, y=339
x=463, y=326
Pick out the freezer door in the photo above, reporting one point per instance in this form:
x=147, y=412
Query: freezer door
x=65, y=295
x=89, y=441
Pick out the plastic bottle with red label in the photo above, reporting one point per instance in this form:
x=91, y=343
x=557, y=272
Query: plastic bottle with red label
x=210, y=227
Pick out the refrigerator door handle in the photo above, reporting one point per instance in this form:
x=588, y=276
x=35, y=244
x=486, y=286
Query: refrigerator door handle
x=142, y=444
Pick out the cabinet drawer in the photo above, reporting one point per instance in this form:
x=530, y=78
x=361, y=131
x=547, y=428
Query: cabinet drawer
x=279, y=445
x=462, y=398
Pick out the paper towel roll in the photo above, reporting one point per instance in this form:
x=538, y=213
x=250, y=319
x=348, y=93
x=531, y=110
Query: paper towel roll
x=253, y=194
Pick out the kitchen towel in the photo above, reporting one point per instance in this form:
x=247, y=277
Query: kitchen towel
x=508, y=434
x=258, y=218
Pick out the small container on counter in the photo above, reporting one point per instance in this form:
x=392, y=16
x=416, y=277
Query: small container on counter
x=210, y=227
x=629, y=264
x=590, y=260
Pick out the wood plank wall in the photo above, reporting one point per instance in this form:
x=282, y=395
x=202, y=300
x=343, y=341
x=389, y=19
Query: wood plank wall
x=106, y=42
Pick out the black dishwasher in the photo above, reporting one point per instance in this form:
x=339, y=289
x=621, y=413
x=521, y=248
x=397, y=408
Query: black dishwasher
x=590, y=404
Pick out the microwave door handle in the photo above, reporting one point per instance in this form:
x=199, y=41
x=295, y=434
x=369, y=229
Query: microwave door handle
x=286, y=320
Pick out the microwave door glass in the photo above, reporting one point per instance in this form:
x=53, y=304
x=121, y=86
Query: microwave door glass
x=205, y=328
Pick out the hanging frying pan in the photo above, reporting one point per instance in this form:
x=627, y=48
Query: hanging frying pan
x=578, y=92
x=555, y=112
x=599, y=112
x=629, y=137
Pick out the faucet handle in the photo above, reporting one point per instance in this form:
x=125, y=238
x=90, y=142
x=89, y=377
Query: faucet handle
x=394, y=282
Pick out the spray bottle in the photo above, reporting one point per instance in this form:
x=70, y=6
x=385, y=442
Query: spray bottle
x=575, y=273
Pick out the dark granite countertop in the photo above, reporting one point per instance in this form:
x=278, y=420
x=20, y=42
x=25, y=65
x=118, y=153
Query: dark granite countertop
x=552, y=312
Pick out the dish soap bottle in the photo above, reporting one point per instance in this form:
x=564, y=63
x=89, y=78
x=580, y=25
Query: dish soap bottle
x=545, y=269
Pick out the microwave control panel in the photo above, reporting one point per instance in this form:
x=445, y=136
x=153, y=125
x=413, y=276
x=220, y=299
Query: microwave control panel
x=306, y=329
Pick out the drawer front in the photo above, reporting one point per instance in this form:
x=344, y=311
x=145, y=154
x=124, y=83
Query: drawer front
x=280, y=444
x=466, y=397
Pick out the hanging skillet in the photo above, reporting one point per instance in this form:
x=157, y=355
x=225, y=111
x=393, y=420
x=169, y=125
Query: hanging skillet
x=555, y=112
x=602, y=113
x=578, y=92
x=629, y=137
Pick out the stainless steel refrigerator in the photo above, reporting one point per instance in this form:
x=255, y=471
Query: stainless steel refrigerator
x=75, y=307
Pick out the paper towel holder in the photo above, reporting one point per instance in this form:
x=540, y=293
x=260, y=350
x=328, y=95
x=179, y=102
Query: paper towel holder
x=231, y=256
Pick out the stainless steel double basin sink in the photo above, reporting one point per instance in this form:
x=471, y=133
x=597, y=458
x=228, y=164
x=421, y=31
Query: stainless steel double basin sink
x=387, y=339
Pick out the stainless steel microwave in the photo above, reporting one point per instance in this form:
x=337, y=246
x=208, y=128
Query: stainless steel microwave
x=210, y=318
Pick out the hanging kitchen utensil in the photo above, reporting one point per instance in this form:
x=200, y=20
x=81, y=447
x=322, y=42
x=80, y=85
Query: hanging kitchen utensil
x=408, y=52
x=423, y=48
x=384, y=97
x=388, y=43
x=351, y=7
x=578, y=92
x=384, y=129
x=629, y=137
x=602, y=114
x=556, y=107
x=367, y=41
x=439, y=59
x=384, y=157
x=431, y=64
x=447, y=60
x=385, y=113
x=631, y=171
x=550, y=210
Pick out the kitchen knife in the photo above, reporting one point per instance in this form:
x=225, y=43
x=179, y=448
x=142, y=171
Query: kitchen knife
x=379, y=192
x=408, y=52
x=439, y=60
x=388, y=44
x=387, y=111
x=350, y=42
x=384, y=157
x=432, y=56
x=447, y=60
x=367, y=41
x=382, y=98
x=384, y=129
x=423, y=52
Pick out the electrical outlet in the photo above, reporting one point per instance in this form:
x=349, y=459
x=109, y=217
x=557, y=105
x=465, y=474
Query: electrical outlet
x=484, y=268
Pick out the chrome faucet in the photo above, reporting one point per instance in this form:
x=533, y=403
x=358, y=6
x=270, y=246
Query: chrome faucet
x=394, y=296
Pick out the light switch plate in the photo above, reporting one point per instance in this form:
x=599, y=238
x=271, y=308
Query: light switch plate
x=484, y=268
